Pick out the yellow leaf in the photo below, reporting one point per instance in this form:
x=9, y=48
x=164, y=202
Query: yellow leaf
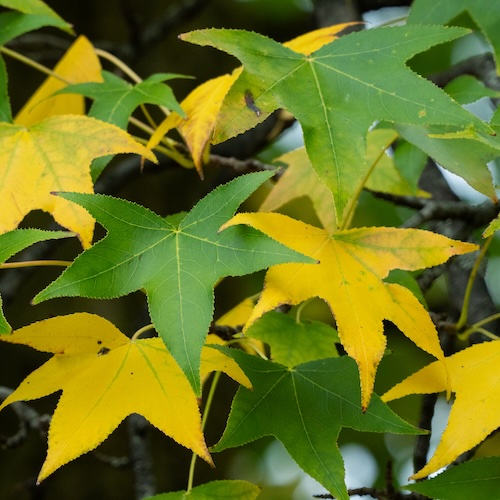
x=349, y=277
x=475, y=413
x=238, y=316
x=104, y=377
x=202, y=105
x=80, y=64
x=213, y=360
x=55, y=155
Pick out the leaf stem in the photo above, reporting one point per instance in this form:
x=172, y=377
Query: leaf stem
x=139, y=332
x=462, y=320
x=119, y=64
x=208, y=405
x=300, y=309
x=351, y=206
x=474, y=329
x=33, y=64
x=32, y=263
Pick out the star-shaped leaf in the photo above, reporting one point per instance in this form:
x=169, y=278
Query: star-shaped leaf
x=349, y=277
x=484, y=13
x=477, y=479
x=104, y=377
x=202, y=105
x=115, y=100
x=55, y=155
x=305, y=408
x=336, y=93
x=176, y=264
x=474, y=378
x=17, y=240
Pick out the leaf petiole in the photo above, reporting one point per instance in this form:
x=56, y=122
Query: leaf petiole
x=353, y=202
x=462, y=320
x=33, y=64
x=32, y=263
x=208, y=405
x=142, y=330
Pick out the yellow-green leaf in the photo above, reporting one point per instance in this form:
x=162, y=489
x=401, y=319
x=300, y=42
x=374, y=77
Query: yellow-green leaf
x=349, y=277
x=474, y=378
x=79, y=64
x=104, y=377
x=55, y=155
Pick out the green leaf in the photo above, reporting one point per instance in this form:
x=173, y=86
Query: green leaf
x=215, y=490
x=465, y=154
x=5, y=111
x=305, y=408
x=17, y=240
x=478, y=479
x=177, y=265
x=294, y=343
x=115, y=100
x=484, y=13
x=336, y=93
x=14, y=24
x=31, y=10
x=466, y=89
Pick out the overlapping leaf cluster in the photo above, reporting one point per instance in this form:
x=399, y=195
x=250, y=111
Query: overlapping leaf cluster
x=295, y=385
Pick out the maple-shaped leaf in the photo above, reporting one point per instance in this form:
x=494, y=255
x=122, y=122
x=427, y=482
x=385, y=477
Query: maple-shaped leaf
x=336, y=93
x=17, y=240
x=474, y=378
x=115, y=100
x=294, y=342
x=202, y=105
x=305, y=408
x=214, y=490
x=349, y=278
x=104, y=377
x=30, y=15
x=79, y=64
x=477, y=479
x=176, y=264
x=54, y=155
x=484, y=13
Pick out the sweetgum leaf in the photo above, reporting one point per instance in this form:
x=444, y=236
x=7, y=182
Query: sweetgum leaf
x=305, y=408
x=115, y=100
x=293, y=343
x=350, y=278
x=478, y=479
x=104, y=376
x=177, y=265
x=474, y=379
x=336, y=93
x=484, y=13
x=214, y=490
x=17, y=240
